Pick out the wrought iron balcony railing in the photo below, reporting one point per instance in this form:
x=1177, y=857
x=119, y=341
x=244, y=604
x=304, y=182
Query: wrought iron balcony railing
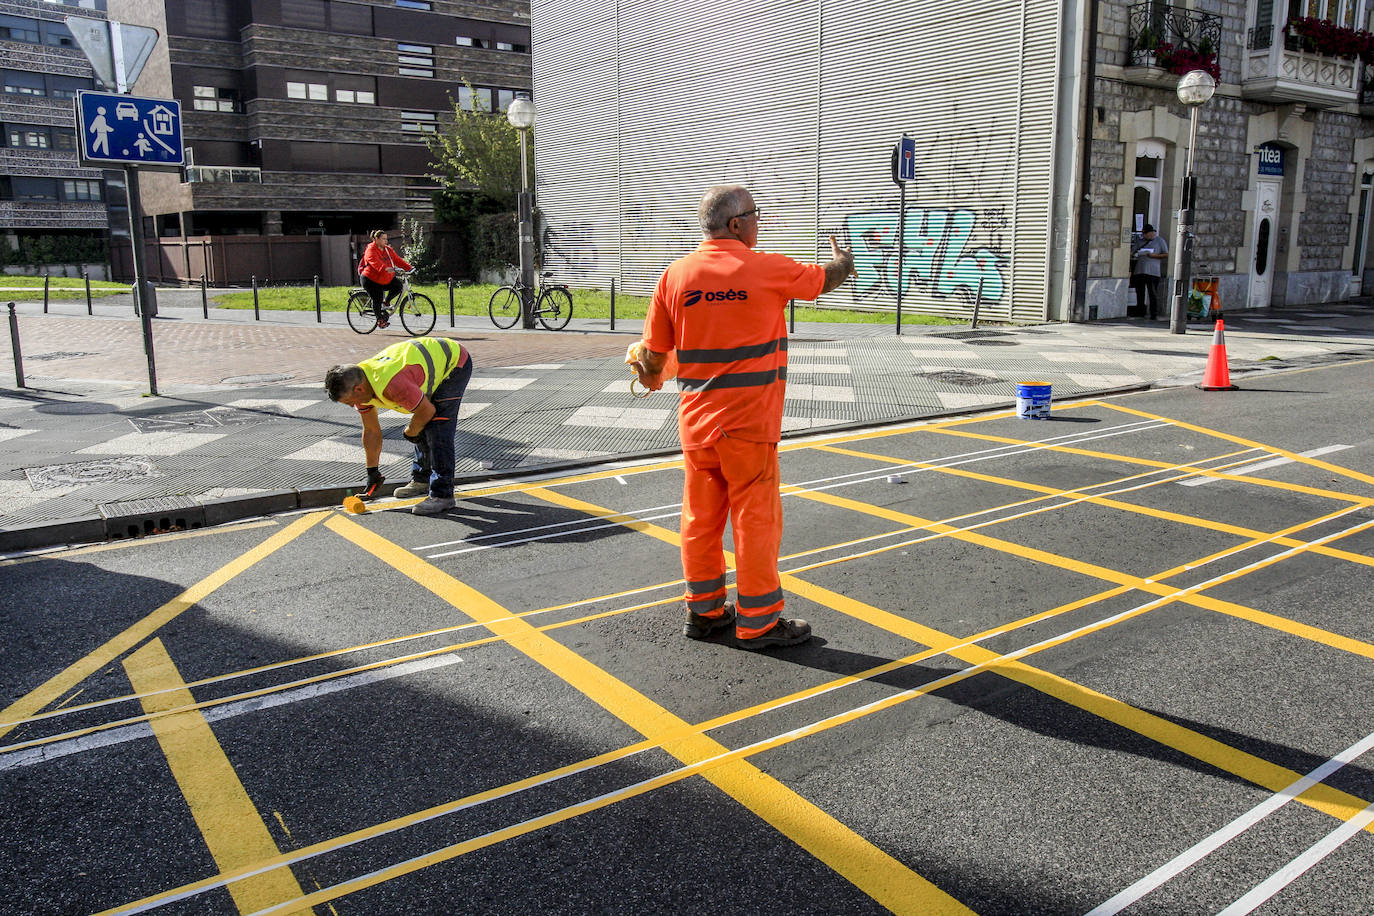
x=1152, y=25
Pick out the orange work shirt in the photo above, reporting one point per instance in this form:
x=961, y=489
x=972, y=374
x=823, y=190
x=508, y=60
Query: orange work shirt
x=722, y=309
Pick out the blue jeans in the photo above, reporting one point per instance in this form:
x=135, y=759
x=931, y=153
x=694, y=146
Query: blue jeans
x=434, y=459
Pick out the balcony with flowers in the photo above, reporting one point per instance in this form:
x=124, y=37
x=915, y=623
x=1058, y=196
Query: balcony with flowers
x=1308, y=60
x=1166, y=42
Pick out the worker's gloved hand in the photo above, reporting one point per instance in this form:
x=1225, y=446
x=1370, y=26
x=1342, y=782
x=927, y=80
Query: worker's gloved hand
x=417, y=439
x=374, y=483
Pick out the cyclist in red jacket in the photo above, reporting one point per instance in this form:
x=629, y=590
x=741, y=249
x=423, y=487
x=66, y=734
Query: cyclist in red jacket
x=378, y=271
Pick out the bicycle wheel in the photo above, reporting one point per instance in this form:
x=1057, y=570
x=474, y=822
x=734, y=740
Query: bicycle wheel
x=504, y=307
x=554, y=308
x=417, y=315
x=360, y=315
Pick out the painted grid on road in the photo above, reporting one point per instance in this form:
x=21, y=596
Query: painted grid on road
x=892, y=883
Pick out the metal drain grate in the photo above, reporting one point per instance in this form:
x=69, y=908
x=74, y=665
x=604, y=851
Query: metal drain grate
x=60, y=354
x=141, y=517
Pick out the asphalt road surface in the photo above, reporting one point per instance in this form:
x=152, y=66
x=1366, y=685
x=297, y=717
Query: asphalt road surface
x=1119, y=660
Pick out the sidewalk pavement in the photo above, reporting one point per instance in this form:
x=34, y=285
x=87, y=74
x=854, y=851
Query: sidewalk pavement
x=241, y=426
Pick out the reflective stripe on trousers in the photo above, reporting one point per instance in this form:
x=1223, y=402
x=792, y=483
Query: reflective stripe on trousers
x=737, y=481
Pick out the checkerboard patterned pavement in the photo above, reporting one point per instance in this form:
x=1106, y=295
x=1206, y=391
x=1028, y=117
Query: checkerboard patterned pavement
x=71, y=445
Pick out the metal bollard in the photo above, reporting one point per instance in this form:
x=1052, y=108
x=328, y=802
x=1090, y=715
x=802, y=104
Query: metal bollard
x=612, y=303
x=450, y=302
x=204, y=300
x=318, y=319
x=87, y=278
x=977, y=301
x=791, y=316
x=14, y=345
x=255, y=297
x=46, y=278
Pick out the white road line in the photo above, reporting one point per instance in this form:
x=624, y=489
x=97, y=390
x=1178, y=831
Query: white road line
x=738, y=753
x=1293, y=870
x=1262, y=465
x=43, y=753
x=1226, y=834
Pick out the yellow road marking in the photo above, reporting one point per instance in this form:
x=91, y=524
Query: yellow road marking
x=1238, y=440
x=228, y=820
x=135, y=542
x=1149, y=462
x=870, y=869
x=1108, y=502
x=74, y=674
x=1239, y=763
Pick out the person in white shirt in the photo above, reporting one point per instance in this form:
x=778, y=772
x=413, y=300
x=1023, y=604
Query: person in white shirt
x=1146, y=269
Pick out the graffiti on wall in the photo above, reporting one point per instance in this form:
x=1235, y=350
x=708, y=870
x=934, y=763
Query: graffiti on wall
x=935, y=254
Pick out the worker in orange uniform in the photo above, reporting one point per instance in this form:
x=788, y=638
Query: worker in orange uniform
x=722, y=308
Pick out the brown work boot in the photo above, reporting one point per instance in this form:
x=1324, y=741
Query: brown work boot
x=786, y=632
x=699, y=627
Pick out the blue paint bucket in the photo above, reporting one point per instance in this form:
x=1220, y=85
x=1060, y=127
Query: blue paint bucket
x=1033, y=400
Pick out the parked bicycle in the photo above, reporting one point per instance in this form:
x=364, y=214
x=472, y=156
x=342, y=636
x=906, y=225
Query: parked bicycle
x=416, y=309
x=552, y=304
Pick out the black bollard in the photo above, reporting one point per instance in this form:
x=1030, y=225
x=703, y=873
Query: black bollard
x=791, y=316
x=14, y=346
x=318, y=319
x=450, y=302
x=46, y=278
x=204, y=300
x=87, y=277
x=255, y=297
x=612, y=303
x=977, y=301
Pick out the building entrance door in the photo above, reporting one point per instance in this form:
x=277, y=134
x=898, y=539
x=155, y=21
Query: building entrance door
x=1265, y=234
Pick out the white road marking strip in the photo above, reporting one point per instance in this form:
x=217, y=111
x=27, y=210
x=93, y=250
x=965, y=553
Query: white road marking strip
x=29, y=756
x=1293, y=870
x=840, y=480
x=739, y=753
x=1232, y=830
x=1262, y=465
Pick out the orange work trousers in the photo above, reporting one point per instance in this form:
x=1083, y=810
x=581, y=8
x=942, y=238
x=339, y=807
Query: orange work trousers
x=736, y=480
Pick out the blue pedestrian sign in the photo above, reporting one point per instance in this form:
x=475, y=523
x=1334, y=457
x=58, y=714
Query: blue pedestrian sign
x=125, y=130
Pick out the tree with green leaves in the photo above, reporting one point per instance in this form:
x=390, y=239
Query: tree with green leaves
x=479, y=153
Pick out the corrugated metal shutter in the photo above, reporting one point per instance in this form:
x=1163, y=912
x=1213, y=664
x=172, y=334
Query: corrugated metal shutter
x=802, y=103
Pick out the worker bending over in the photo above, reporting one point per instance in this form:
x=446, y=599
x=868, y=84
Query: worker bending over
x=424, y=377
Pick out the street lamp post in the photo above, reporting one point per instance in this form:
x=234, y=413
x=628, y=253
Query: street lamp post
x=1194, y=88
x=521, y=116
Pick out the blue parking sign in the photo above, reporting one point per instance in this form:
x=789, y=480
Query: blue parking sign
x=126, y=130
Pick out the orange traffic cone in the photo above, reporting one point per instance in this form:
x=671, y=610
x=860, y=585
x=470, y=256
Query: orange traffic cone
x=1217, y=376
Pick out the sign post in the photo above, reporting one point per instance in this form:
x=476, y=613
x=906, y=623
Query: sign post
x=134, y=133
x=903, y=170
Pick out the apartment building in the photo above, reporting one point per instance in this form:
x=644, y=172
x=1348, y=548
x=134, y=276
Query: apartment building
x=1047, y=134
x=310, y=116
x=44, y=191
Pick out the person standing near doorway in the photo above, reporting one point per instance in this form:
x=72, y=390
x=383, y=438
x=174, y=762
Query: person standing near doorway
x=1147, y=268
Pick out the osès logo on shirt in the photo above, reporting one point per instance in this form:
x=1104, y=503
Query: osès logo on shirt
x=693, y=296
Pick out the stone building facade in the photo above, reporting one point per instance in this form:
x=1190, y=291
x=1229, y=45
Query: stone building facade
x=310, y=116
x=1282, y=162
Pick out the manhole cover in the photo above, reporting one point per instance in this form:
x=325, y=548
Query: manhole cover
x=83, y=473
x=959, y=377
x=970, y=335
x=61, y=354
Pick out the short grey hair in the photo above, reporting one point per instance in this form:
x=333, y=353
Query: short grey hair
x=340, y=380
x=718, y=205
